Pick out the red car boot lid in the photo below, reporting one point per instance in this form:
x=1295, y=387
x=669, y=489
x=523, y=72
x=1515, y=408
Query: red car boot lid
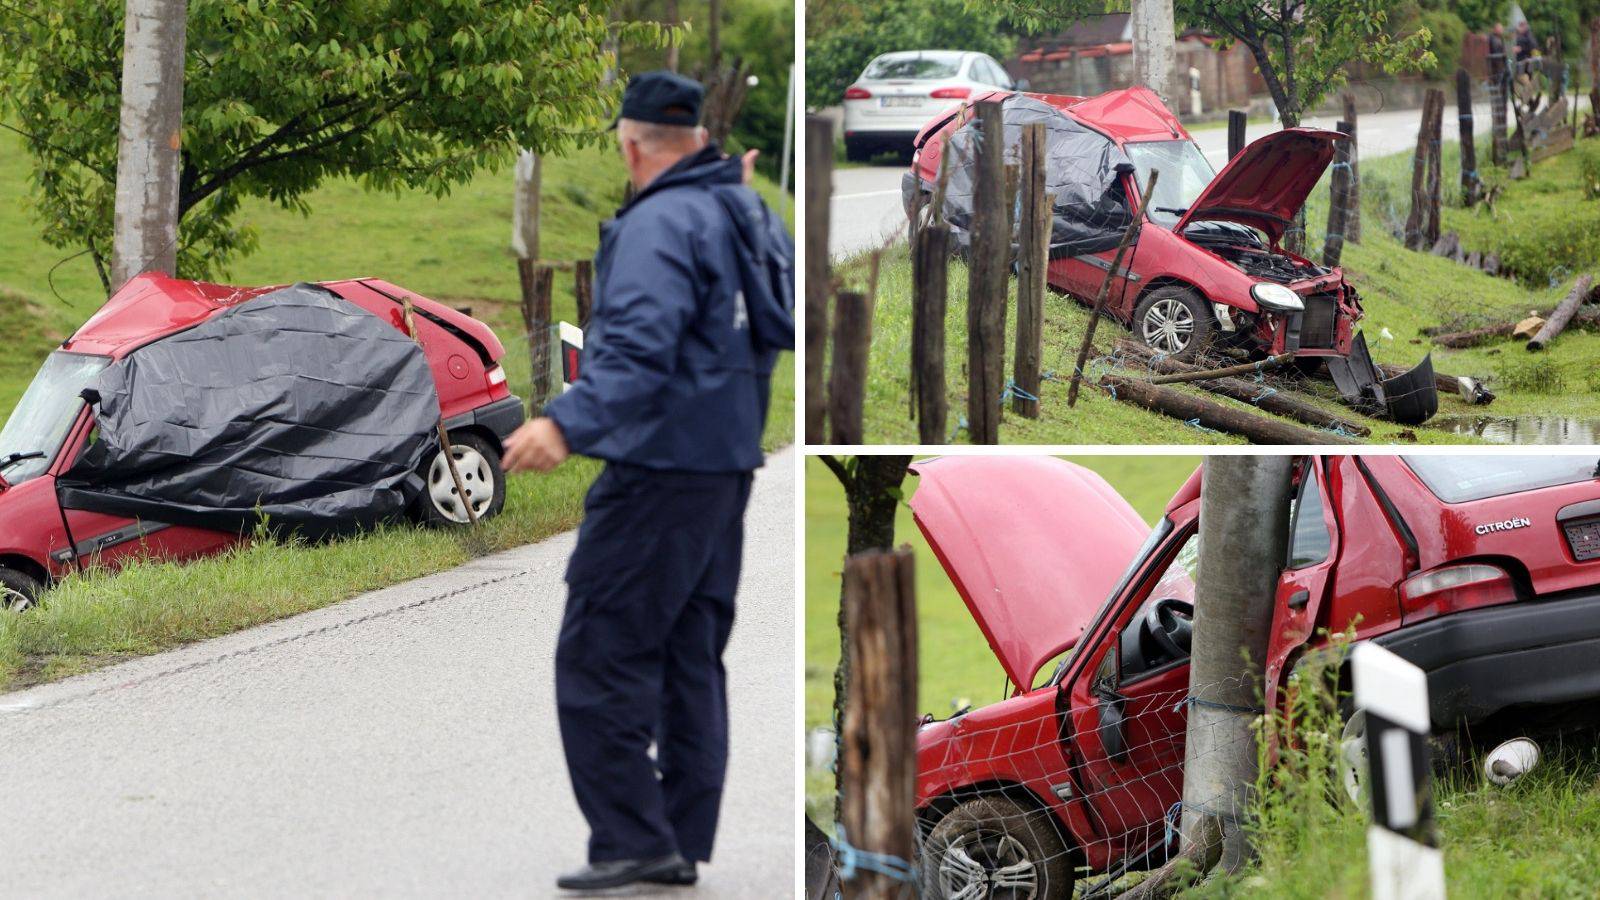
x=1034, y=545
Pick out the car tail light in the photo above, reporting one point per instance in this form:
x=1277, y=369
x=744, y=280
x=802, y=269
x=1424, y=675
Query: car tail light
x=496, y=376
x=1454, y=588
x=951, y=93
x=857, y=93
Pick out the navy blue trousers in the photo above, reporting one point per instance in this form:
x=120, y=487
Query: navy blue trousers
x=650, y=600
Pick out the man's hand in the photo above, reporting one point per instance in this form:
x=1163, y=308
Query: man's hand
x=749, y=162
x=537, y=445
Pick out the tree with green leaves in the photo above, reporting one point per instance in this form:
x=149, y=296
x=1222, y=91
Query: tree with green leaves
x=282, y=94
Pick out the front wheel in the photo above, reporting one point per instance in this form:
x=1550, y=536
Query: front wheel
x=478, y=462
x=995, y=847
x=18, y=590
x=1174, y=322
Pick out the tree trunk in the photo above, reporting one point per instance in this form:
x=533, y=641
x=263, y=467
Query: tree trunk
x=714, y=32
x=672, y=19
x=871, y=493
x=525, y=208
x=149, y=154
x=1154, y=35
x=1244, y=539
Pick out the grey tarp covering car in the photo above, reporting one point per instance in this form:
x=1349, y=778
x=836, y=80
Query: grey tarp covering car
x=1082, y=170
x=296, y=405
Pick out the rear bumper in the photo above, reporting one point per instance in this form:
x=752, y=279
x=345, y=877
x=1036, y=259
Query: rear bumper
x=882, y=136
x=501, y=417
x=1542, y=652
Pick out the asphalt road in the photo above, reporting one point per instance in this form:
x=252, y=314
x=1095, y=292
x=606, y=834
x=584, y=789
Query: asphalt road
x=867, y=211
x=399, y=744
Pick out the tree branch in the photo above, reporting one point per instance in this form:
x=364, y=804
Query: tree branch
x=839, y=471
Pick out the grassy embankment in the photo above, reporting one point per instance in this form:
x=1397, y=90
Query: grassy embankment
x=452, y=249
x=1532, y=840
x=1543, y=217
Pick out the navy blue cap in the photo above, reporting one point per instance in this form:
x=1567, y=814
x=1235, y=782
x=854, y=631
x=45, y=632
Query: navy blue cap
x=662, y=97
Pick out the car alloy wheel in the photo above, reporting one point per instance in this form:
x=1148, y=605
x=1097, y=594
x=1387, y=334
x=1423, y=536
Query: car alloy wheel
x=1169, y=325
x=477, y=479
x=1353, y=754
x=987, y=864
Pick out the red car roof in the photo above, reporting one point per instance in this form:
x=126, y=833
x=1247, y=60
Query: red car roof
x=152, y=306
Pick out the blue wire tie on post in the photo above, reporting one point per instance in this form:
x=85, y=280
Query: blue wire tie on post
x=1171, y=820
x=1013, y=391
x=1263, y=395
x=854, y=859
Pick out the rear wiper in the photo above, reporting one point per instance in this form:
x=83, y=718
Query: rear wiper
x=11, y=460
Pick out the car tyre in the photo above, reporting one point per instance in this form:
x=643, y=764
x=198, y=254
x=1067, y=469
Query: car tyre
x=18, y=590
x=478, y=461
x=1002, y=847
x=1174, y=321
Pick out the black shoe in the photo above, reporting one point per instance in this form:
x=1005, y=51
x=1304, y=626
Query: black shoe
x=684, y=874
x=620, y=872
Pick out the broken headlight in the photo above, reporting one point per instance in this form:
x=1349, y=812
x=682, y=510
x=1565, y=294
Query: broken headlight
x=1276, y=297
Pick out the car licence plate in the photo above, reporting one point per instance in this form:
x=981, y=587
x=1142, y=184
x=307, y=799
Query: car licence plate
x=901, y=101
x=1584, y=538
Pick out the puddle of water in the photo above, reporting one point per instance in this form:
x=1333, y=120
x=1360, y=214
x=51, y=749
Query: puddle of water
x=1524, y=429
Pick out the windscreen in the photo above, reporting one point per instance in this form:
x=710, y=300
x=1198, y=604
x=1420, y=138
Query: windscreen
x=1184, y=174
x=44, y=415
x=1462, y=479
x=916, y=68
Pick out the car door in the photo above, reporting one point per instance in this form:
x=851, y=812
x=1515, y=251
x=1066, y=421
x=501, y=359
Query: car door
x=100, y=540
x=1304, y=584
x=1127, y=711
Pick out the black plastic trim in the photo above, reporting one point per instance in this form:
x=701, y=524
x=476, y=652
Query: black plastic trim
x=500, y=417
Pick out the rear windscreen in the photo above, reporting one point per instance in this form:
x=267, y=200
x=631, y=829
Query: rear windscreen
x=917, y=67
x=1460, y=479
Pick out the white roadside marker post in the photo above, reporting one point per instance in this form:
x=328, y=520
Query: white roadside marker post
x=1403, y=855
x=571, y=337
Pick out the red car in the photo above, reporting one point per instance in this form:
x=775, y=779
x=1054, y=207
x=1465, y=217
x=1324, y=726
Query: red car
x=1484, y=571
x=40, y=541
x=1211, y=273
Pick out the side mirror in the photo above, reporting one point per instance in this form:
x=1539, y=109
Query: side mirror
x=1113, y=735
x=1022, y=84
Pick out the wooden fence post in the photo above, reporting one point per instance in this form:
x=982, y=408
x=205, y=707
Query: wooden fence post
x=878, y=740
x=1338, y=201
x=986, y=283
x=847, y=380
x=1352, y=224
x=1498, y=81
x=1416, y=224
x=1471, y=185
x=819, y=196
x=1105, y=287
x=930, y=264
x=1033, y=241
x=537, y=282
x=1236, y=123
x=1435, y=169
x=583, y=290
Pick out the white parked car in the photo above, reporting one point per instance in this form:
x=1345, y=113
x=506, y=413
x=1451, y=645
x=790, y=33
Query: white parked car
x=900, y=92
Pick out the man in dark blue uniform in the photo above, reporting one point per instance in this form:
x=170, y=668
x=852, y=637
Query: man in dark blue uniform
x=693, y=302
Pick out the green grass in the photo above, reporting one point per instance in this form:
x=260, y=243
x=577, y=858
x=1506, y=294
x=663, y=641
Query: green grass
x=1402, y=291
x=453, y=249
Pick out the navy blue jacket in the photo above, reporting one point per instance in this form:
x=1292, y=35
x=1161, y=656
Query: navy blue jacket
x=694, y=298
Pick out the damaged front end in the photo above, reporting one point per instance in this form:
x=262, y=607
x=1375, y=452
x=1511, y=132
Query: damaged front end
x=1410, y=398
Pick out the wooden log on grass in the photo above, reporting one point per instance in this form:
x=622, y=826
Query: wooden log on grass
x=1033, y=241
x=847, y=377
x=819, y=196
x=1183, y=372
x=1262, y=396
x=930, y=271
x=878, y=734
x=1563, y=314
x=986, y=280
x=1210, y=414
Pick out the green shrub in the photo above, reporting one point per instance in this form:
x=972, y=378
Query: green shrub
x=1529, y=374
x=1588, y=153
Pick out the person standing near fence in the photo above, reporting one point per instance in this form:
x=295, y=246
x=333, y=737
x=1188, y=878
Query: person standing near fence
x=694, y=299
